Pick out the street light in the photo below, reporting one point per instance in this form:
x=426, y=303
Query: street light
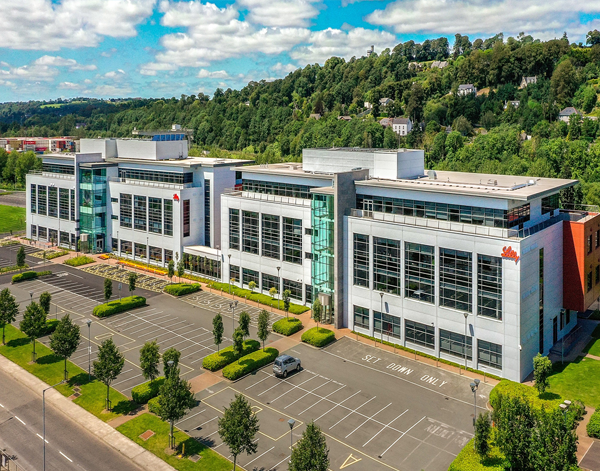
x=381, y=312
x=31, y=296
x=89, y=323
x=465, y=342
x=44, y=419
x=232, y=306
x=291, y=423
x=474, y=387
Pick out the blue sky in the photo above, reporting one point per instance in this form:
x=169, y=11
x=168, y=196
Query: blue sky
x=155, y=48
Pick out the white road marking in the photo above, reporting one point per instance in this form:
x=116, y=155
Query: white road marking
x=20, y=420
x=292, y=403
x=259, y=456
x=336, y=405
x=323, y=398
x=404, y=433
x=260, y=381
x=352, y=412
x=66, y=456
x=385, y=426
x=2, y=406
x=41, y=437
x=186, y=418
x=294, y=387
x=366, y=420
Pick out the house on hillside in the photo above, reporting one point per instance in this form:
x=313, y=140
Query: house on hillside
x=402, y=126
x=345, y=118
x=466, y=89
x=439, y=64
x=386, y=122
x=565, y=114
x=385, y=101
x=513, y=103
x=415, y=66
x=528, y=80
x=368, y=105
x=316, y=116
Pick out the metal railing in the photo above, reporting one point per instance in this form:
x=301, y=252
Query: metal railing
x=130, y=181
x=62, y=176
x=268, y=198
x=8, y=462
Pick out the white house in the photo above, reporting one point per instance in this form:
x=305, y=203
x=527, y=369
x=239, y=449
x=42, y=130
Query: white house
x=402, y=126
x=527, y=80
x=566, y=113
x=466, y=89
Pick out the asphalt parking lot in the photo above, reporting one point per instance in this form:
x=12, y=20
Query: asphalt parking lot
x=8, y=255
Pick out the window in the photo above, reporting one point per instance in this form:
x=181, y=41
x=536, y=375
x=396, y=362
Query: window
x=568, y=316
x=168, y=217
x=589, y=282
x=421, y=334
x=454, y=344
x=361, y=317
x=234, y=229
x=115, y=245
x=308, y=231
x=125, y=211
x=387, y=265
x=589, y=244
x=390, y=326
x=234, y=273
x=489, y=354
x=168, y=255
x=489, y=286
x=597, y=274
x=250, y=275
x=53, y=235
x=64, y=239
x=269, y=281
x=294, y=287
x=126, y=247
x=57, y=168
x=73, y=240
x=550, y=203
x=114, y=200
x=114, y=216
x=361, y=260
x=206, y=212
x=270, y=236
x=419, y=272
x=308, y=291
x=541, y=300
x=518, y=215
x=42, y=199
x=156, y=254
x=186, y=218
x=276, y=188
x=598, y=238
x=72, y=197
x=140, y=213
x=292, y=240
x=155, y=215
x=42, y=233
x=140, y=250
x=456, y=285
x=63, y=202
x=33, y=198
x=53, y=201
x=250, y=232
x=33, y=231
x=154, y=176
x=308, y=255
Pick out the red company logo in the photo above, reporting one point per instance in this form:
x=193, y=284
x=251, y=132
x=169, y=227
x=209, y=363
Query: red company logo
x=176, y=197
x=508, y=252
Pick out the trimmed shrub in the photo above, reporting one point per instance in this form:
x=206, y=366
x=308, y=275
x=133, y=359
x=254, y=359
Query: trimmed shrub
x=78, y=261
x=512, y=389
x=469, y=460
x=593, y=426
x=287, y=326
x=12, y=268
x=181, y=289
x=144, y=392
x=250, y=363
x=51, y=325
x=114, y=307
x=29, y=275
x=226, y=356
x=318, y=338
x=154, y=406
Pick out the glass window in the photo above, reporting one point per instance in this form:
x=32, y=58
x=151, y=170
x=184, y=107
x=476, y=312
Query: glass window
x=42, y=199
x=550, y=203
x=270, y=236
x=57, y=168
x=269, y=281
x=234, y=229
x=156, y=254
x=33, y=231
x=42, y=233
x=308, y=291
x=206, y=213
x=140, y=213
x=598, y=238
x=387, y=265
x=589, y=281
x=72, y=197
x=126, y=247
x=456, y=283
x=63, y=201
x=168, y=255
x=154, y=176
x=186, y=218
x=518, y=215
x=361, y=317
x=125, y=210
x=391, y=324
x=292, y=240
x=421, y=334
x=597, y=274
x=64, y=238
x=250, y=232
x=590, y=247
x=454, y=344
x=277, y=188
x=140, y=250
x=294, y=287
x=361, y=260
x=53, y=201
x=53, y=235
x=489, y=286
x=168, y=216
x=250, y=275
x=33, y=198
x=489, y=354
x=234, y=273
x=419, y=268
x=155, y=215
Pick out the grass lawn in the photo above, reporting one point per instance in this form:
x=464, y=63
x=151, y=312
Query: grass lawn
x=50, y=369
x=578, y=380
x=11, y=218
x=469, y=460
x=593, y=348
x=157, y=444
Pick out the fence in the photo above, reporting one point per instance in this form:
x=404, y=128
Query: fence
x=8, y=462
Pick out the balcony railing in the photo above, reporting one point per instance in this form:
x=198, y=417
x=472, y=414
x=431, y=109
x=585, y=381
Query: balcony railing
x=268, y=198
x=171, y=186
x=61, y=176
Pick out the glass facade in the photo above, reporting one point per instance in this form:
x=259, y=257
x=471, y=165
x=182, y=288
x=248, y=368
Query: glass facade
x=154, y=176
x=206, y=212
x=322, y=222
x=294, y=287
x=250, y=275
x=250, y=232
x=489, y=354
x=234, y=273
x=419, y=272
x=541, y=299
x=276, y=188
x=387, y=265
x=92, y=207
x=489, y=286
x=33, y=198
x=550, y=203
x=270, y=236
x=168, y=217
x=361, y=260
x=58, y=168
x=454, y=344
x=52, y=201
x=186, y=218
x=203, y=265
x=361, y=317
x=234, y=229
x=389, y=325
x=269, y=281
x=72, y=197
x=140, y=213
x=155, y=215
x=42, y=197
x=63, y=203
x=292, y=240
x=456, y=279
x=421, y=334
x=126, y=211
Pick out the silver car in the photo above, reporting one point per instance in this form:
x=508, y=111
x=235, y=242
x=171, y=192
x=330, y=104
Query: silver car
x=285, y=364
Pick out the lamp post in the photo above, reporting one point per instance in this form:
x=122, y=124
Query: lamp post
x=232, y=306
x=381, y=313
x=278, y=286
x=89, y=324
x=291, y=423
x=474, y=387
x=44, y=419
x=31, y=297
x=465, y=341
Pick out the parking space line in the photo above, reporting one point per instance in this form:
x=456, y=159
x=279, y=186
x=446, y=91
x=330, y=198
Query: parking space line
x=301, y=397
x=285, y=381
x=187, y=418
x=123, y=381
x=336, y=404
x=352, y=412
x=404, y=433
x=259, y=456
x=367, y=419
x=323, y=398
x=275, y=466
x=260, y=381
x=385, y=426
x=294, y=387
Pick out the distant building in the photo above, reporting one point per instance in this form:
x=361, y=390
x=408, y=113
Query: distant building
x=40, y=145
x=528, y=80
x=385, y=101
x=565, y=114
x=345, y=118
x=439, y=64
x=316, y=116
x=368, y=105
x=402, y=126
x=370, y=51
x=386, y=122
x=415, y=65
x=514, y=103
x=466, y=89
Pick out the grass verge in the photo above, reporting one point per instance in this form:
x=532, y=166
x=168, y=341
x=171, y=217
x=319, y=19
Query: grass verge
x=78, y=261
x=12, y=218
x=579, y=380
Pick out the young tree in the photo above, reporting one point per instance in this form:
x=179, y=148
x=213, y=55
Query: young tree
x=286, y=301
x=252, y=286
x=311, y=452
x=9, y=309
x=33, y=323
x=21, y=257
x=238, y=427
x=149, y=360
x=175, y=399
x=131, y=281
x=65, y=340
x=263, y=326
x=515, y=422
x=238, y=341
x=542, y=367
x=273, y=292
x=108, y=286
x=180, y=269
x=108, y=365
x=44, y=301
x=317, y=311
x=170, y=354
x=171, y=270
x=218, y=330
x=244, y=323
x=483, y=430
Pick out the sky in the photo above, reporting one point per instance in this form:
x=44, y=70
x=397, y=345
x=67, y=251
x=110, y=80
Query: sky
x=53, y=49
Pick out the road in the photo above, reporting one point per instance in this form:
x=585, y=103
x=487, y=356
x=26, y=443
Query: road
x=69, y=446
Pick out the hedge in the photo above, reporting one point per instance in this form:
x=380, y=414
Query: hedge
x=512, y=389
x=144, y=392
x=250, y=363
x=593, y=426
x=181, y=289
x=114, y=307
x=51, y=325
x=29, y=275
x=220, y=359
x=287, y=326
x=318, y=338
x=257, y=297
x=154, y=406
x=78, y=261
x=13, y=268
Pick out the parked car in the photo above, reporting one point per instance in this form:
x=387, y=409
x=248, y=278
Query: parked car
x=285, y=364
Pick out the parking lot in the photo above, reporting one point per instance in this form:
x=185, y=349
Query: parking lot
x=8, y=255
x=120, y=274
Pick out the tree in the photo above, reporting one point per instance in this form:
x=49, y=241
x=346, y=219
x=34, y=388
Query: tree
x=65, y=340
x=564, y=82
x=108, y=365
x=34, y=323
x=108, y=286
x=273, y=291
x=462, y=125
x=252, y=286
x=488, y=120
x=593, y=37
x=244, y=323
x=414, y=107
x=311, y=452
x=175, y=399
x=286, y=301
x=171, y=270
x=21, y=257
x=180, y=269
x=542, y=367
x=483, y=431
x=238, y=427
x=45, y=299
x=317, y=310
x=515, y=421
x=218, y=330
x=238, y=341
x=149, y=360
x=132, y=280
x=9, y=310
x=170, y=354
x=263, y=326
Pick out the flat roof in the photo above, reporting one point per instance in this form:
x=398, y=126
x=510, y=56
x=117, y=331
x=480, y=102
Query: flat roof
x=184, y=163
x=291, y=169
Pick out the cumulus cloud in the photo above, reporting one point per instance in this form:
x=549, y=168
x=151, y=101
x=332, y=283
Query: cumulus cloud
x=283, y=69
x=57, y=61
x=115, y=74
x=110, y=91
x=217, y=74
x=280, y=13
x=70, y=86
x=32, y=72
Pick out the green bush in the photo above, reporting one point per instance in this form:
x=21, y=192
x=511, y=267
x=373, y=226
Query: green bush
x=154, y=406
x=51, y=325
x=181, y=289
x=593, y=427
x=250, y=363
x=469, y=460
x=78, y=261
x=512, y=389
x=287, y=326
x=219, y=360
x=12, y=268
x=114, y=307
x=29, y=275
x=60, y=253
x=318, y=338
x=144, y=392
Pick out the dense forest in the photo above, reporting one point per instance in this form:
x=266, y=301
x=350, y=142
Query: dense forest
x=480, y=132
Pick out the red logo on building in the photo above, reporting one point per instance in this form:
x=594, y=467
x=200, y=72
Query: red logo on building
x=176, y=197
x=508, y=252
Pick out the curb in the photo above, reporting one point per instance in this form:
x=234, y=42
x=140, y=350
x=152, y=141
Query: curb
x=131, y=450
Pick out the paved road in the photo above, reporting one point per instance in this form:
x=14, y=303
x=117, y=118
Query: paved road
x=17, y=198
x=69, y=446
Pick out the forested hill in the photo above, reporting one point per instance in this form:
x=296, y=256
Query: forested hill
x=272, y=119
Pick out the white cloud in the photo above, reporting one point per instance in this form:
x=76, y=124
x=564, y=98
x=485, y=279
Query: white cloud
x=217, y=74
x=280, y=13
x=70, y=86
x=110, y=91
x=283, y=69
x=57, y=61
x=33, y=73
x=109, y=53
x=115, y=74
